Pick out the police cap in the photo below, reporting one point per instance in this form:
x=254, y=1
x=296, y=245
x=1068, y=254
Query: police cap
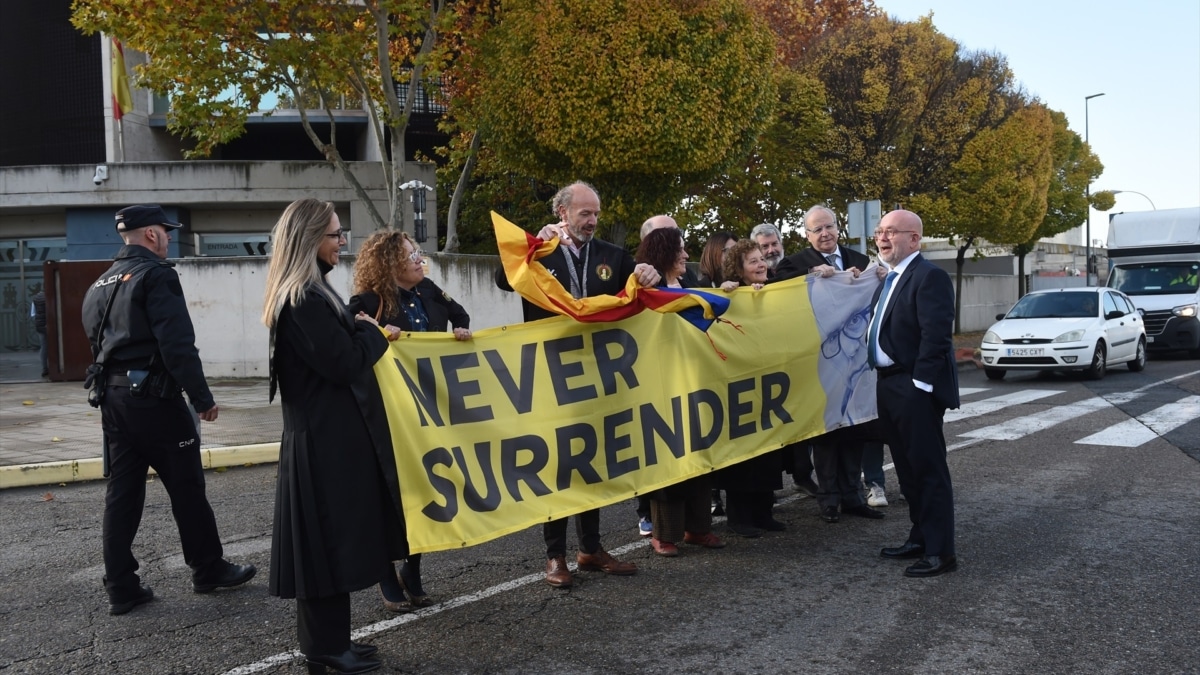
x=143, y=215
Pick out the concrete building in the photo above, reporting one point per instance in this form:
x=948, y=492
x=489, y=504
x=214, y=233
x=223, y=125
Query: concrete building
x=67, y=164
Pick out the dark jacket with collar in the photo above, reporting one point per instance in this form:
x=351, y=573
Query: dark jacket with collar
x=917, y=328
x=799, y=264
x=149, y=321
x=440, y=308
x=608, y=268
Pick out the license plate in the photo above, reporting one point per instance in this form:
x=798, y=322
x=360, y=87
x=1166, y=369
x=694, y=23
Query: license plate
x=1025, y=351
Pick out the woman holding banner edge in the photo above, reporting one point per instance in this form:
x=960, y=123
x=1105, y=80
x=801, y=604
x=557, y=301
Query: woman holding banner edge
x=750, y=485
x=390, y=285
x=338, y=523
x=679, y=512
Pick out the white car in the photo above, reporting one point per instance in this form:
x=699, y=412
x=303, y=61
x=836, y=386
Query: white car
x=1087, y=329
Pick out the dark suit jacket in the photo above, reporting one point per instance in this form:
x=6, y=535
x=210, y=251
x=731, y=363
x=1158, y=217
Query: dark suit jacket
x=798, y=264
x=439, y=307
x=918, y=328
x=601, y=254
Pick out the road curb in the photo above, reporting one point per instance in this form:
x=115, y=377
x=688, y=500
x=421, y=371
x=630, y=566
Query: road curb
x=77, y=470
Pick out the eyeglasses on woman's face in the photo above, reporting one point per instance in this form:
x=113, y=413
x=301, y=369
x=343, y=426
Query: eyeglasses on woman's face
x=339, y=235
x=417, y=255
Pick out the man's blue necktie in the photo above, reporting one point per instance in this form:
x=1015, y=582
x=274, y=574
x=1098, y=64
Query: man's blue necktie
x=873, y=333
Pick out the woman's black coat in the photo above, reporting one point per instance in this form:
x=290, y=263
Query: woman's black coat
x=338, y=520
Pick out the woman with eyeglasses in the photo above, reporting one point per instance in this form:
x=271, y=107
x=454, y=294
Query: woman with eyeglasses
x=338, y=523
x=390, y=285
x=750, y=485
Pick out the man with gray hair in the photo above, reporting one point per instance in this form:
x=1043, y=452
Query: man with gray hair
x=770, y=241
x=586, y=267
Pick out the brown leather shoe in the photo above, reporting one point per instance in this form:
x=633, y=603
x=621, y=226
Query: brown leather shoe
x=707, y=540
x=602, y=561
x=557, y=574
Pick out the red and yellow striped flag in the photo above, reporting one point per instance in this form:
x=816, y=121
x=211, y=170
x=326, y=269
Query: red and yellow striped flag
x=122, y=99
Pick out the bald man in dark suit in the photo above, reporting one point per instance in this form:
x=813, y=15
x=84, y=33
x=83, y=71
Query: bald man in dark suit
x=910, y=343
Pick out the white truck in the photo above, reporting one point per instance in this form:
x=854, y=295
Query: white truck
x=1154, y=258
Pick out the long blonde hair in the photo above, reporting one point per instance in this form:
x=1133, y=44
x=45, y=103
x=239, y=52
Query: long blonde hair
x=295, y=239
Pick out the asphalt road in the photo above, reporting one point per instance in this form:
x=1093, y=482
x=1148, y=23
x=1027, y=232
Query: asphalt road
x=1074, y=557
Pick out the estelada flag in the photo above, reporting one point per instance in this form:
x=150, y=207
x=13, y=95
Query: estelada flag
x=518, y=249
x=122, y=99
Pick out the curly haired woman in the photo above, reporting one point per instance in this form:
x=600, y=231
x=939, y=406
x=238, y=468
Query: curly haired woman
x=390, y=285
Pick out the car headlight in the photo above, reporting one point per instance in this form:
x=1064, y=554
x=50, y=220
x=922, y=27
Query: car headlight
x=1186, y=311
x=1070, y=336
x=991, y=337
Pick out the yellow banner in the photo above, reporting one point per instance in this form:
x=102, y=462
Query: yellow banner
x=530, y=423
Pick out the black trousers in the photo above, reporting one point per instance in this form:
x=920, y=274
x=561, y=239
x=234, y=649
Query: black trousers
x=839, y=467
x=323, y=625
x=587, y=527
x=911, y=421
x=160, y=433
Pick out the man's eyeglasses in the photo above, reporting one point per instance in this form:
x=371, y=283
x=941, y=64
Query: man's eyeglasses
x=339, y=235
x=891, y=234
x=827, y=228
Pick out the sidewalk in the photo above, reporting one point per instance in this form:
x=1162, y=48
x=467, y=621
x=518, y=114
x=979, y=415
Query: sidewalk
x=49, y=434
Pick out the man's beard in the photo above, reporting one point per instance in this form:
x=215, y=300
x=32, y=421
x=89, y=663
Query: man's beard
x=773, y=261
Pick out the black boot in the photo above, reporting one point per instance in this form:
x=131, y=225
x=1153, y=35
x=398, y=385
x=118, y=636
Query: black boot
x=740, y=517
x=346, y=663
x=410, y=581
x=763, y=504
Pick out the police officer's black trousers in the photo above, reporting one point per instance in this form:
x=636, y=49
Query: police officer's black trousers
x=160, y=433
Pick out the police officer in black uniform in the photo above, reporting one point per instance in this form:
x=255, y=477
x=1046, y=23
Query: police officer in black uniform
x=137, y=321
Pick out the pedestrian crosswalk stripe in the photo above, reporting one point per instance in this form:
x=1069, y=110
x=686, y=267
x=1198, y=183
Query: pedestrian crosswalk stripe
x=1144, y=428
x=1023, y=426
x=967, y=391
x=991, y=405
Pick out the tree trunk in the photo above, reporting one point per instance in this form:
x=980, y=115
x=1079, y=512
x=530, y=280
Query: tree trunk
x=456, y=200
x=959, y=261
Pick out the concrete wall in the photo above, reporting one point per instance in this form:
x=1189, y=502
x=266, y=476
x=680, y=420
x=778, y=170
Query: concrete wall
x=225, y=296
x=983, y=297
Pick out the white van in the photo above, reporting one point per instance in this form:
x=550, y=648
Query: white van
x=1155, y=260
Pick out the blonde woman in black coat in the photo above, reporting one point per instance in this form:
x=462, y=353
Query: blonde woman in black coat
x=338, y=523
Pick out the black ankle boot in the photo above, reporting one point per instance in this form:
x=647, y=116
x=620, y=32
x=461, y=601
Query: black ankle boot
x=410, y=581
x=346, y=663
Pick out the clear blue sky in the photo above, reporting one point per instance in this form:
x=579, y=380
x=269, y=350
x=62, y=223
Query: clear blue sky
x=1144, y=56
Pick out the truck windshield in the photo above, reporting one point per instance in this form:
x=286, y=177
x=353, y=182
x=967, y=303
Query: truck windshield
x=1165, y=278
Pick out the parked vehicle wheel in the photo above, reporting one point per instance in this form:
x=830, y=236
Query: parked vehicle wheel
x=1138, y=364
x=1099, y=363
x=994, y=373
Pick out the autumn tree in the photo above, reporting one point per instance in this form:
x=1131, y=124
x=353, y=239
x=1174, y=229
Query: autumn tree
x=774, y=182
x=997, y=188
x=905, y=101
x=640, y=99
x=777, y=179
x=798, y=24
x=218, y=60
x=1075, y=166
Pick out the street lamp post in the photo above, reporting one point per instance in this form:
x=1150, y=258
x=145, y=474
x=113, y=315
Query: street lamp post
x=1087, y=239
x=1135, y=192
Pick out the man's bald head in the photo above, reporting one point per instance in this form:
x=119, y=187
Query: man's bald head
x=657, y=222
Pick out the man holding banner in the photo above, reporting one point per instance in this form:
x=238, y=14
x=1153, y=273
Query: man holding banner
x=586, y=267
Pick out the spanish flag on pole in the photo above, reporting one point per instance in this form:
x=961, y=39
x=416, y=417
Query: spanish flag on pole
x=122, y=99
